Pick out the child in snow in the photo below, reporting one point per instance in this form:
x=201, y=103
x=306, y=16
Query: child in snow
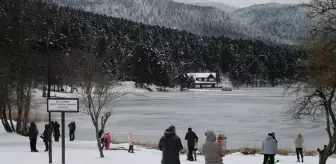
x=107, y=139
x=299, y=147
x=131, y=143
x=222, y=140
x=195, y=150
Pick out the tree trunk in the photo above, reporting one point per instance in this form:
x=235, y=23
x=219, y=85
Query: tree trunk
x=10, y=116
x=322, y=159
x=27, y=107
x=9, y=108
x=3, y=98
x=98, y=139
x=19, y=101
x=323, y=155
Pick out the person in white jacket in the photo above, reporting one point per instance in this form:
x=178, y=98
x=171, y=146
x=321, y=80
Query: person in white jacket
x=299, y=147
x=131, y=143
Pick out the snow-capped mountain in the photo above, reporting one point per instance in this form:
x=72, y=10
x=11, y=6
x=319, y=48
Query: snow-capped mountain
x=273, y=23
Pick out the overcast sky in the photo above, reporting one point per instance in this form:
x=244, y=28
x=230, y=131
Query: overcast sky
x=245, y=3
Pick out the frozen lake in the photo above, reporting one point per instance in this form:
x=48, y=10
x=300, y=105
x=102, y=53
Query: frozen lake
x=245, y=116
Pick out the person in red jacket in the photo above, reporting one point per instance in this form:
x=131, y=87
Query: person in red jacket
x=107, y=139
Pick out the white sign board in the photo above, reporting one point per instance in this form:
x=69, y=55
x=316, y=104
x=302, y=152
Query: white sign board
x=63, y=105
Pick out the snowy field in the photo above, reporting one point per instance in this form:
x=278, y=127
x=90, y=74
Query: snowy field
x=245, y=116
x=14, y=149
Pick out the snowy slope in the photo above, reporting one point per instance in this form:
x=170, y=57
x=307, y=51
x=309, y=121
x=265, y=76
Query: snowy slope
x=218, y=5
x=276, y=23
x=271, y=22
x=13, y=146
x=192, y=18
x=280, y=22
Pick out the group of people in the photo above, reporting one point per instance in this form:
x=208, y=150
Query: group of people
x=55, y=126
x=270, y=148
x=171, y=146
x=214, y=149
x=106, y=140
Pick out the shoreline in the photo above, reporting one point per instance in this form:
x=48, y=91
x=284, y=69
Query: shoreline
x=248, y=150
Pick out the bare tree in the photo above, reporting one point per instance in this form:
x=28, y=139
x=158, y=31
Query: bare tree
x=324, y=11
x=315, y=88
x=98, y=93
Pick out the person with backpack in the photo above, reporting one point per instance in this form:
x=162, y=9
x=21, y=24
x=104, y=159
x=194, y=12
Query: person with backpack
x=270, y=149
x=45, y=137
x=33, y=133
x=107, y=139
x=299, y=147
x=192, y=139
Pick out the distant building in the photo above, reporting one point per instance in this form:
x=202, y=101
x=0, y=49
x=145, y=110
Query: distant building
x=203, y=80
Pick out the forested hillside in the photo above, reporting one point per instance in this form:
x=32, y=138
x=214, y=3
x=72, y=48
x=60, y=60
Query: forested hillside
x=272, y=23
x=29, y=31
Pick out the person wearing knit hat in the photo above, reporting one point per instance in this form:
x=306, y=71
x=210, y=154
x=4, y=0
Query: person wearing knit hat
x=299, y=146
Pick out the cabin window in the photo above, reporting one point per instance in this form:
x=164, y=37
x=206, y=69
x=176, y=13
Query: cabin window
x=197, y=86
x=211, y=79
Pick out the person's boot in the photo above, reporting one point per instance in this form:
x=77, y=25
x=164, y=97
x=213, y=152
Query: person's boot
x=302, y=160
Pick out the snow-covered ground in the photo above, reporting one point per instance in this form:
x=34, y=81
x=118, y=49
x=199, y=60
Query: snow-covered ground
x=14, y=149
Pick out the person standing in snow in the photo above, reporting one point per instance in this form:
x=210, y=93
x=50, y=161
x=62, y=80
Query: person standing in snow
x=107, y=139
x=33, y=133
x=192, y=138
x=170, y=145
x=57, y=132
x=45, y=138
x=299, y=147
x=269, y=148
x=212, y=150
x=131, y=143
x=72, y=129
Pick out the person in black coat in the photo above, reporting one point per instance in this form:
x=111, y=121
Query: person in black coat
x=45, y=137
x=57, y=132
x=192, y=138
x=170, y=145
x=72, y=129
x=33, y=133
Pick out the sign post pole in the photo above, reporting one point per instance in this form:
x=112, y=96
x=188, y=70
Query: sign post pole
x=63, y=138
x=49, y=115
x=63, y=105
